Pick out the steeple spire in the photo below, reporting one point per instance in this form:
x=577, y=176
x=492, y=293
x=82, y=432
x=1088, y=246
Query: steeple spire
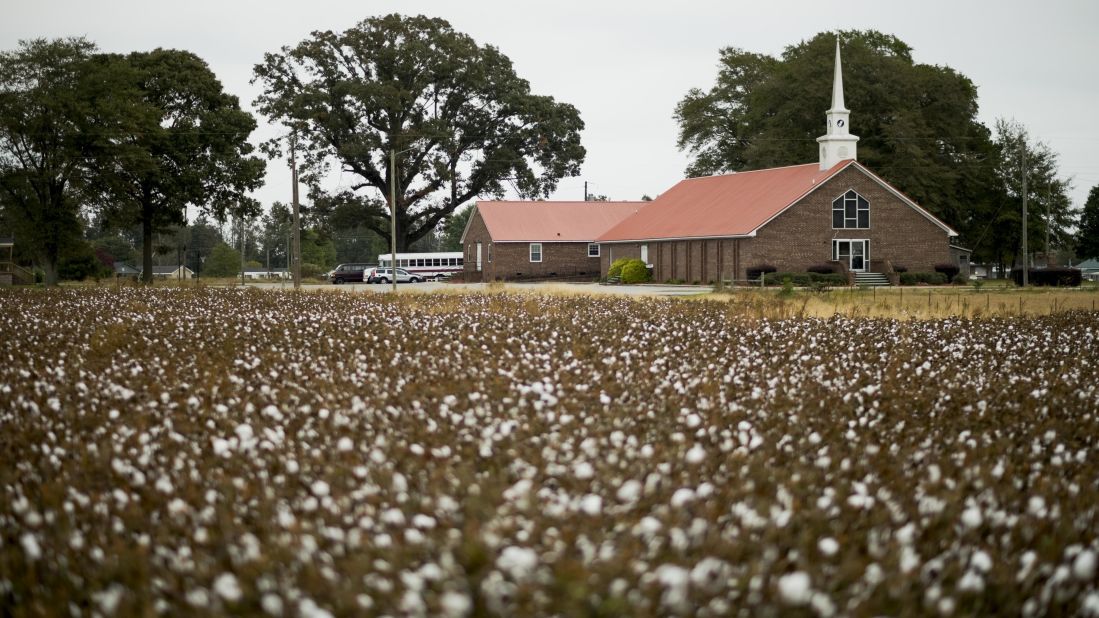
x=837, y=82
x=837, y=144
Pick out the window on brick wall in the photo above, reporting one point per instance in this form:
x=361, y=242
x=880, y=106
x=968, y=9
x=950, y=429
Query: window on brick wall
x=593, y=249
x=850, y=211
x=535, y=252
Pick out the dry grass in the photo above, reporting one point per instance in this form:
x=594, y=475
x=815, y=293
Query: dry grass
x=912, y=303
x=226, y=451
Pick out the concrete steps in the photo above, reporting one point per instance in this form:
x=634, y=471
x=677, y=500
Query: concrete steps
x=874, y=280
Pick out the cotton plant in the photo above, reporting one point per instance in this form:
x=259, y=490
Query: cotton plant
x=238, y=451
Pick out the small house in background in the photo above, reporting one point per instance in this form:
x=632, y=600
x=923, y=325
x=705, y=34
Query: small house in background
x=172, y=272
x=125, y=271
x=513, y=241
x=1089, y=269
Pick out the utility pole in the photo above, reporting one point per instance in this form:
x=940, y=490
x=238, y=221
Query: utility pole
x=1049, y=221
x=393, y=215
x=585, y=190
x=242, y=249
x=1026, y=255
x=295, y=250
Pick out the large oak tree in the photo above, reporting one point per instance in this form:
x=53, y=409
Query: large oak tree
x=59, y=104
x=462, y=123
x=191, y=148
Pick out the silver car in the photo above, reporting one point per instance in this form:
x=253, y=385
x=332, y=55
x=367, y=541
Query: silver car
x=385, y=275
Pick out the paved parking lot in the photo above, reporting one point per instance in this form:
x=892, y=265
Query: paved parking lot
x=576, y=288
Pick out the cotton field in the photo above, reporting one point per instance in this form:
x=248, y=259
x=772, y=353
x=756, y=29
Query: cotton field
x=190, y=451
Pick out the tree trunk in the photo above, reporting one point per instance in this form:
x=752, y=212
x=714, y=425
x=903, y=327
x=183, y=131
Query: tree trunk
x=49, y=268
x=146, y=242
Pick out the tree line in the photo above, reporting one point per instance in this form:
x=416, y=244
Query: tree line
x=102, y=156
x=402, y=106
x=918, y=129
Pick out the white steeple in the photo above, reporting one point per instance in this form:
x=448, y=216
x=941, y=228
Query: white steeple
x=837, y=144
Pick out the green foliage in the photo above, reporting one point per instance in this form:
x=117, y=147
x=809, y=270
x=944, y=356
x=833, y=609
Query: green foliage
x=959, y=280
x=224, y=261
x=309, y=269
x=787, y=287
x=804, y=279
x=635, y=271
x=454, y=227
x=317, y=250
x=188, y=145
x=462, y=122
x=57, y=106
x=924, y=278
x=79, y=262
x=1000, y=236
x=1087, y=238
x=615, y=269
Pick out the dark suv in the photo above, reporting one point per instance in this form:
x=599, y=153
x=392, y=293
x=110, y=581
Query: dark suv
x=348, y=272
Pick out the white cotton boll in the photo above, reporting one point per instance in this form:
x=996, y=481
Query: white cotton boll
x=629, y=492
x=591, y=504
x=1083, y=567
x=696, y=454
x=682, y=497
x=221, y=447
x=906, y=534
x=272, y=604
x=319, y=488
x=971, y=582
x=345, y=444
x=693, y=420
x=583, y=471
x=455, y=605
x=400, y=483
x=108, y=599
x=519, y=562
x=30, y=546
x=828, y=546
x=822, y=605
x=164, y=485
x=244, y=432
x=794, y=588
x=981, y=561
x=972, y=518
x=604, y=399
x=423, y=521
x=227, y=587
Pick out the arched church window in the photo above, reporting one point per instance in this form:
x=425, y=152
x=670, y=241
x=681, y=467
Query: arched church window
x=850, y=211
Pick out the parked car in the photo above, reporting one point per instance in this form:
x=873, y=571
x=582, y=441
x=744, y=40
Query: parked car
x=345, y=273
x=385, y=275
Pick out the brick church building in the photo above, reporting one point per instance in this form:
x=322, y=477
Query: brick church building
x=834, y=211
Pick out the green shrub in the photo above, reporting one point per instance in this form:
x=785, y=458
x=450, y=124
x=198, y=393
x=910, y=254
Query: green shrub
x=635, y=271
x=616, y=267
x=959, y=279
x=805, y=279
x=926, y=278
x=311, y=270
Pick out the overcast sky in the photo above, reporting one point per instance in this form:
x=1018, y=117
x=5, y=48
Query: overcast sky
x=625, y=64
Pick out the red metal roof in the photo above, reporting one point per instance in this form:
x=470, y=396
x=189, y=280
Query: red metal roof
x=721, y=206
x=553, y=221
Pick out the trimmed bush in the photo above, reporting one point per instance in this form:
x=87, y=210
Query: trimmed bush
x=755, y=271
x=635, y=271
x=959, y=280
x=950, y=270
x=1055, y=276
x=805, y=279
x=822, y=269
x=616, y=267
x=311, y=270
x=897, y=268
x=924, y=278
